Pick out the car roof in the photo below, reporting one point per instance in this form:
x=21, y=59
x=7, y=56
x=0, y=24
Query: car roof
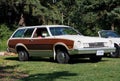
x=42, y=26
x=106, y=30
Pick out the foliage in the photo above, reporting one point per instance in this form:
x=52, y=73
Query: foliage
x=3, y=45
x=85, y=15
x=4, y=32
x=4, y=35
x=97, y=14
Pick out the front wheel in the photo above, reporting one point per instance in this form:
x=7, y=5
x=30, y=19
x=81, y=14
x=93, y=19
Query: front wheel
x=23, y=55
x=62, y=56
x=116, y=53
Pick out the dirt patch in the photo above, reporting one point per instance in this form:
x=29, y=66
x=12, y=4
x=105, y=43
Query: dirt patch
x=7, y=54
x=1, y=53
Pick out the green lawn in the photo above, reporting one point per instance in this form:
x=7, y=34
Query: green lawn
x=43, y=69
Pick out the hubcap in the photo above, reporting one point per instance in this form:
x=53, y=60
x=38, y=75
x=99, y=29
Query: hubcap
x=61, y=57
x=21, y=55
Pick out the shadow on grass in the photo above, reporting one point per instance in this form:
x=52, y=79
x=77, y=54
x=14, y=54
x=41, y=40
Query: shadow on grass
x=72, y=61
x=49, y=76
x=11, y=73
x=32, y=59
x=12, y=58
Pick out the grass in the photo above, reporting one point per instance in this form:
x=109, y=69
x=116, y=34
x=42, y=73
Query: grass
x=43, y=69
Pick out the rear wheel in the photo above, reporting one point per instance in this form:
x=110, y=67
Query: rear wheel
x=23, y=55
x=62, y=56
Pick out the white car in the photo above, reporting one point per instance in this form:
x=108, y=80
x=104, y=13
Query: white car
x=114, y=38
x=56, y=41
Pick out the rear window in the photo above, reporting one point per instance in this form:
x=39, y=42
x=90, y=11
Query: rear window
x=19, y=33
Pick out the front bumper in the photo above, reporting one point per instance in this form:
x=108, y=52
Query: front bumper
x=91, y=50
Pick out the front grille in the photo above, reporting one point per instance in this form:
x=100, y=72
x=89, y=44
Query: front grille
x=96, y=45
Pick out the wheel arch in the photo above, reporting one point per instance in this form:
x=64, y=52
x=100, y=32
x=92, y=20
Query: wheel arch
x=20, y=46
x=116, y=45
x=60, y=46
x=117, y=51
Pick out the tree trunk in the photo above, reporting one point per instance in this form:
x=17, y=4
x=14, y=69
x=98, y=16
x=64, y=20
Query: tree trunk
x=112, y=27
x=22, y=21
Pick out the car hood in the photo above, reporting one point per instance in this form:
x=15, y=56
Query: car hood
x=85, y=39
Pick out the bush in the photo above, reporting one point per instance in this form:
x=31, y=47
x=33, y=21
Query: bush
x=4, y=32
x=4, y=35
x=3, y=45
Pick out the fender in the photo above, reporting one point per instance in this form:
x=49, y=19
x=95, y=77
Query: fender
x=22, y=45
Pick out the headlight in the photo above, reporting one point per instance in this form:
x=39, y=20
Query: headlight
x=77, y=44
x=105, y=44
x=109, y=43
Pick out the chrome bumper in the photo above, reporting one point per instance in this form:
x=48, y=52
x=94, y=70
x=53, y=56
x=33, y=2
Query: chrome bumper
x=91, y=50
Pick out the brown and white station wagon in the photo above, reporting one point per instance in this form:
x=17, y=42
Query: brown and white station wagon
x=59, y=42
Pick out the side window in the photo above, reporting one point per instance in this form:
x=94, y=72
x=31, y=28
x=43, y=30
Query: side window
x=41, y=32
x=104, y=34
x=19, y=33
x=56, y=31
x=28, y=32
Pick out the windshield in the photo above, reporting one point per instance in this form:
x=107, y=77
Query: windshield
x=108, y=34
x=63, y=31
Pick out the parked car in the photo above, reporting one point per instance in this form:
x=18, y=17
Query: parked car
x=59, y=42
x=114, y=38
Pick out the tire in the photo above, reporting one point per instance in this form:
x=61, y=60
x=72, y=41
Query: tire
x=96, y=58
x=23, y=55
x=62, y=56
x=116, y=53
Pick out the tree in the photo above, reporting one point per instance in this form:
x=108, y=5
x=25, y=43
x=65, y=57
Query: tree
x=88, y=16
x=93, y=15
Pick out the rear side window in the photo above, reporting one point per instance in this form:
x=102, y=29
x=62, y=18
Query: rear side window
x=19, y=33
x=28, y=32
